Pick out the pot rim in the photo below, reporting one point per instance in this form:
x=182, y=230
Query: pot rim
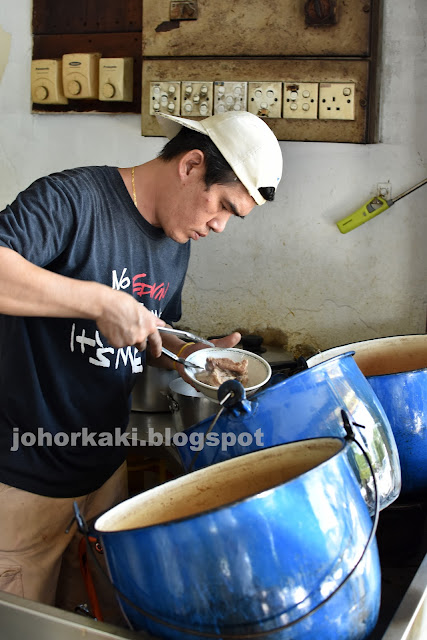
x=344, y=444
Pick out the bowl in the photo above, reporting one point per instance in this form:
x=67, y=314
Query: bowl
x=259, y=371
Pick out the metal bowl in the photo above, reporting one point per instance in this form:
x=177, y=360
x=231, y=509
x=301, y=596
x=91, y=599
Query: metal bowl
x=259, y=371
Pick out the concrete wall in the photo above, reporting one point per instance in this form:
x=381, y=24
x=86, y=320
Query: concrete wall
x=285, y=272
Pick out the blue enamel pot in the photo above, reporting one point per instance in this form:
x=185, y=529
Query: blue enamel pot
x=396, y=368
x=305, y=405
x=276, y=544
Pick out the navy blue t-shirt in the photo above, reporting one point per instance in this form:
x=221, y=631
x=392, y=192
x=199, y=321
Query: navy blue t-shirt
x=64, y=391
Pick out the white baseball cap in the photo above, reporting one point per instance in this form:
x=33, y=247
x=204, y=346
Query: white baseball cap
x=246, y=142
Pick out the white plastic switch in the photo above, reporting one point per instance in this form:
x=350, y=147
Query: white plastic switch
x=46, y=82
x=196, y=98
x=230, y=96
x=116, y=79
x=165, y=97
x=265, y=99
x=300, y=100
x=80, y=75
x=337, y=100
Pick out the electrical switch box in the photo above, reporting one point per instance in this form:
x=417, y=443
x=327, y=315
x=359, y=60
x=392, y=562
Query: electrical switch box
x=46, y=82
x=265, y=99
x=196, y=98
x=80, y=75
x=230, y=96
x=300, y=100
x=310, y=72
x=165, y=97
x=336, y=101
x=116, y=79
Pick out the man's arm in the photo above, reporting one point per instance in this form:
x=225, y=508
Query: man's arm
x=29, y=290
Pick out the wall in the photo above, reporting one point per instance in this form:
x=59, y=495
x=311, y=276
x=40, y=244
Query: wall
x=285, y=271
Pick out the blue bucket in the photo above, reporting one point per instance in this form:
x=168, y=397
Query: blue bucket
x=396, y=368
x=306, y=405
x=277, y=544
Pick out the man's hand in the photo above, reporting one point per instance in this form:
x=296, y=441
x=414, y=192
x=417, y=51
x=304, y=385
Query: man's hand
x=124, y=321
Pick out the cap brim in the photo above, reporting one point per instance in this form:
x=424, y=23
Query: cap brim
x=171, y=125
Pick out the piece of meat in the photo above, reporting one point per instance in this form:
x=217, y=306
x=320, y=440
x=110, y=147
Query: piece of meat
x=218, y=370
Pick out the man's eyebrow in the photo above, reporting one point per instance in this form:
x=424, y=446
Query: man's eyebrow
x=233, y=208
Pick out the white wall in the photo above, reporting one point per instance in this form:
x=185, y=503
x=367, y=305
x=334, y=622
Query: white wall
x=286, y=270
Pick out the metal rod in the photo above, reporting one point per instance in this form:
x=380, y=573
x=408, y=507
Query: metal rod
x=405, y=193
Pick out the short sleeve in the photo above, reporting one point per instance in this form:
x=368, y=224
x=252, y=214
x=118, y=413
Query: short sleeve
x=41, y=219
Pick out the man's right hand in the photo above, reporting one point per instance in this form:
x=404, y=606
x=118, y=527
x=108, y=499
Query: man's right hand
x=124, y=321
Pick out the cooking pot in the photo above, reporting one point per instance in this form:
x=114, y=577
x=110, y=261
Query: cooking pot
x=188, y=406
x=277, y=543
x=396, y=368
x=151, y=389
x=306, y=405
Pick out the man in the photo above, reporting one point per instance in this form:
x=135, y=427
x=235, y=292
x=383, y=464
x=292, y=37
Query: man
x=80, y=251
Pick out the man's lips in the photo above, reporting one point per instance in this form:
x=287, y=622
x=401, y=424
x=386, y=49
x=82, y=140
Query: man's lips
x=195, y=235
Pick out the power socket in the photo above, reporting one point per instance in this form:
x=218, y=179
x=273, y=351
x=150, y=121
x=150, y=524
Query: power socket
x=165, y=97
x=196, y=98
x=337, y=100
x=265, y=99
x=230, y=96
x=300, y=100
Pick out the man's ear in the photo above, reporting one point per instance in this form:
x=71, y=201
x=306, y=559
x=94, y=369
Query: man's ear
x=191, y=162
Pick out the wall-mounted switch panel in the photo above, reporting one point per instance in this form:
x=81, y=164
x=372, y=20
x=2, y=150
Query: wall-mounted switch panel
x=80, y=75
x=116, y=79
x=253, y=85
x=265, y=99
x=165, y=97
x=46, y=82
x=337, y=101
x=196, y=98
x=230, y=96
x=300, y=100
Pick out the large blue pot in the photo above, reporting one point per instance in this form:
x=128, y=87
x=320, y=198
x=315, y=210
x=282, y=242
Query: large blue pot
x=306, y=405
x=396, y=368
x=277, y=538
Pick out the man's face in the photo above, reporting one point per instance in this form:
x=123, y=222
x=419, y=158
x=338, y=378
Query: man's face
x=195, y=211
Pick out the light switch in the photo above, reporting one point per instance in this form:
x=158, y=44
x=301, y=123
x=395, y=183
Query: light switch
x=116, y=79
x=80, y=75
x=46, y=82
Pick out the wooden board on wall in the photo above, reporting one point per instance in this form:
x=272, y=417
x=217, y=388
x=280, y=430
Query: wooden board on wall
x=256, y=28
x=284, y=70
x=86, y=16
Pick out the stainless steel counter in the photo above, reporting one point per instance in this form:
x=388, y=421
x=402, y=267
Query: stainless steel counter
x=410, y=620
x=22, y=618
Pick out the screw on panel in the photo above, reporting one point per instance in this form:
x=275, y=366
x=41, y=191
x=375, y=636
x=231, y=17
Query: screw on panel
x=384, y=190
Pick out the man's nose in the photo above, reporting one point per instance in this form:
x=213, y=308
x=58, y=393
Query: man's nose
x=219, y=223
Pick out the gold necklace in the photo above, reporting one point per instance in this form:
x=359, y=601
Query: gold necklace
x=133, y=187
